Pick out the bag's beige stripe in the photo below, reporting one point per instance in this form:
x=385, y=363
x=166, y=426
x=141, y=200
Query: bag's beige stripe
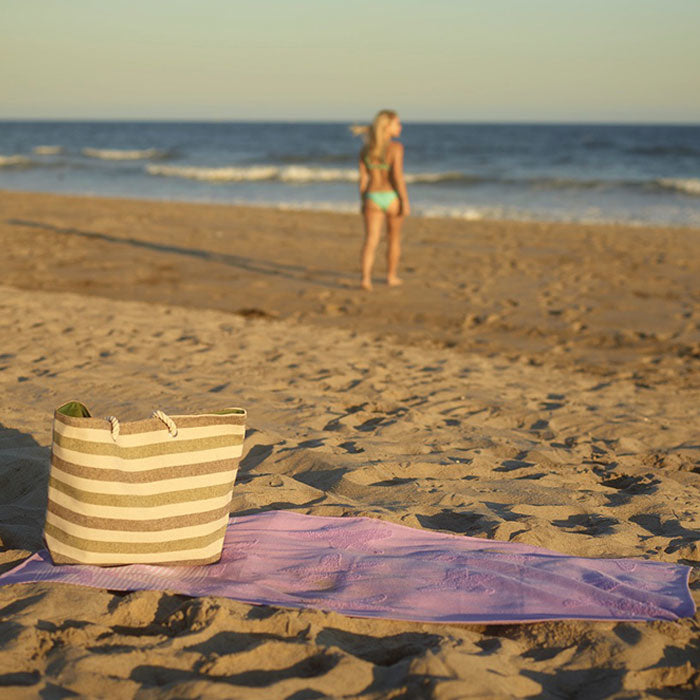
x=167, y=446
x=136, y=501
x=90, y=557
x=61, y=559
x=104, y=435
x=198, y=518
x=180, y=533
x=139, y=513
x=150, y=488
x=131, y=547
x=146, y=475
x=173, y=460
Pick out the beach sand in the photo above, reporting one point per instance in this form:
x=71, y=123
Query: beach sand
x=530, y=382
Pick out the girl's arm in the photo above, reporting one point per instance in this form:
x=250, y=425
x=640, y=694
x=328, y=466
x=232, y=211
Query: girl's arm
x=364, y=182
x=399, y=181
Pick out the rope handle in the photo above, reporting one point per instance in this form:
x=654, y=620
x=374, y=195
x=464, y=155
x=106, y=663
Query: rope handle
x=169, y=423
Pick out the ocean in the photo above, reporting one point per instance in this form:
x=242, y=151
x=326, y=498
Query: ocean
x=644, y=174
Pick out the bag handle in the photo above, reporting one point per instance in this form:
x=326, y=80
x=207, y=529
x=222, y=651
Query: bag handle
x=169, y=422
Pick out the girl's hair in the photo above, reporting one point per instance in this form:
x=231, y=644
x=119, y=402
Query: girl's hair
x=375, y=134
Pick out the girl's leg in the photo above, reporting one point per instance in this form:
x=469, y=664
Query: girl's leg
x=373, y=231
x=393, y=249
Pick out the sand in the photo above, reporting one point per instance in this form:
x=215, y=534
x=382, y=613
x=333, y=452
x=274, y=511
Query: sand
x=530, y=382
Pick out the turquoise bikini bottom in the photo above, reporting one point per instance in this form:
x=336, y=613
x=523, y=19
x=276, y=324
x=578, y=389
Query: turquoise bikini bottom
x=383, y=199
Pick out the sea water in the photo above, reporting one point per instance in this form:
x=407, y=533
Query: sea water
x=643, y=174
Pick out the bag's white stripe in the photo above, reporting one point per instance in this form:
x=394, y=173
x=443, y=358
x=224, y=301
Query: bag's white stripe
x=149, y=488
x=179, y=533
x=150, y=438
x=140, y=513
x=136, y=465
x=86, y=557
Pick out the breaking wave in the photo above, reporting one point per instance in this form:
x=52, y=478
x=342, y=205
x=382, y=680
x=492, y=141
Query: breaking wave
x=121, y=154
x=297, y=174
x=688, y=185
x=290, y=174
x=48, y=150
x=254, y=173
x=15, y=162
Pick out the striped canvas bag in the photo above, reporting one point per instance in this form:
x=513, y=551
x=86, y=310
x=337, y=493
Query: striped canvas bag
x=154, y=491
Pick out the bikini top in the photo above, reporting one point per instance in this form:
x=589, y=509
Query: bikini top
x=376, y=166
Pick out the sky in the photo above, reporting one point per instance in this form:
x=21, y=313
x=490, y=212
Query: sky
x=336, y=60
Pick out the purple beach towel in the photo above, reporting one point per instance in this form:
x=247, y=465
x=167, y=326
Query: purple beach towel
x=371, y=568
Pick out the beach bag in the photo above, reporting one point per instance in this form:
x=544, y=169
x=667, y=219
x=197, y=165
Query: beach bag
x=154, y=491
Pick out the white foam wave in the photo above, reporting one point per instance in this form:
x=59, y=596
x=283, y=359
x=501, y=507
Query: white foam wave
x=299, y=173
x=334, y=207
x=291, y=174
x=118, y=154
x=48, y=150
x=253, y=173
x=469, y=213
x=14, y=161
x=465, y=213
x=427, y=178
x=688, y=185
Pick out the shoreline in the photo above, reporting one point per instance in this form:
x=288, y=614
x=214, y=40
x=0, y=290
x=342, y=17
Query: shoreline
x=345, y=211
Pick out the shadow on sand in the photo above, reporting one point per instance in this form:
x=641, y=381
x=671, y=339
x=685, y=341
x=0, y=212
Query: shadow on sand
x=328, y=278
x=24, y=473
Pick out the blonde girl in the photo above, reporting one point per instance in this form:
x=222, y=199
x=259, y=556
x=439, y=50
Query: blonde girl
x=382, y=192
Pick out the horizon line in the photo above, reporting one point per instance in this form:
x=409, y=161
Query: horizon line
x=505, y=122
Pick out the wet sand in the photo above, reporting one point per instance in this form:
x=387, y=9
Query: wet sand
x=531, y=382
